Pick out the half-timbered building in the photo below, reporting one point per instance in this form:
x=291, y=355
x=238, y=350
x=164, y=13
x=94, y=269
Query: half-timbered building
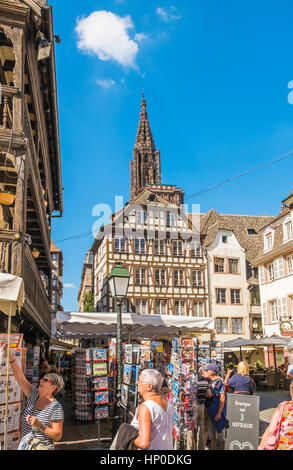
x=30, y=164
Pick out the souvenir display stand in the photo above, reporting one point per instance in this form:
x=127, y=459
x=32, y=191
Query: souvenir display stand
x=93, y=383
x=14, y=393
x=33, y=364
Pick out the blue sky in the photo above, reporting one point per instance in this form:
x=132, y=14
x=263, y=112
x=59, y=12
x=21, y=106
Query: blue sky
x=215, y=76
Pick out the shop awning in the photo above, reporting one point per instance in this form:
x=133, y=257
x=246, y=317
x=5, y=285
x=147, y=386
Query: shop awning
x=268, y=341
x=11, y=293
x=86, y=325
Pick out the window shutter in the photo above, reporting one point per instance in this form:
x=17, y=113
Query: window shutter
x=281, y=266
x=265, y=313
x=284, y=314
x=262, y=278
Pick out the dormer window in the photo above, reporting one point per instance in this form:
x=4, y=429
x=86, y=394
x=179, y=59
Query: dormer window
x=224, y=239
x=152, y=198
x=251, y=231
x=288, y=230
x=268, y=241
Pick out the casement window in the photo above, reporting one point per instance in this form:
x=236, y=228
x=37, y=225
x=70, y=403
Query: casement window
x=198, y=309
x=222, y=325
x=235, y=296
x=159, y=247
x=273, y=311
x=140, y=276
x=160, y=277
x=161, y=307
x=265, y=317
x=271, y=270
x=141, y=217
x=219, y=265
x=178, y=277
x=170, y=220
x=119, y=245
x=180, y=307
x=276, y=269
x=255, y=295
x=268, y=242
x=54, y=256
x=288, y=231
x=221, y=296
x=195, y=250
x=141, y=306
x=197, y=278
x=224, y=239
x=233, y=266
x=237, y=328
x=177, y=246
x=139, y=246
x=251, y=231
x=290, y=264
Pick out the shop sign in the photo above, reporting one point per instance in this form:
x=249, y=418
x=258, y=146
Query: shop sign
x=242, y=431
x=286, y=328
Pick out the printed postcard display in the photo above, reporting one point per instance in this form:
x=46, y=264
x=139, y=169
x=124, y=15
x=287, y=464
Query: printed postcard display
x=93, y=382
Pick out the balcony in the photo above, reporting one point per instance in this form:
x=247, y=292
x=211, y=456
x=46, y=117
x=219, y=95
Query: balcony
x=10, y=134
x=36, y=300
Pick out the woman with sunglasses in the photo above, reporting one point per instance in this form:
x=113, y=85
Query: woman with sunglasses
x=43, y=416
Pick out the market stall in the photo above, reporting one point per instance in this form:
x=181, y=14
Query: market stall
x=145, y=347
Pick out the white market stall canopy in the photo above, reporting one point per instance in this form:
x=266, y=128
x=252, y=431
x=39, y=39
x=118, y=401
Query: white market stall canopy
x=90, y=325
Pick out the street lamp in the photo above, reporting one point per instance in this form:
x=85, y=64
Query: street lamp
x=118, y=282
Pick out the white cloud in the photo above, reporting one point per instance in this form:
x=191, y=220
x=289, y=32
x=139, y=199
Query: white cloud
x=69, y=286
x=168, y=15
x=108, y=83
x=139, y=37
x=105, y=35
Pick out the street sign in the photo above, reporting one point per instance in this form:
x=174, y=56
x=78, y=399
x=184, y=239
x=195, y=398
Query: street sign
x=242, y=432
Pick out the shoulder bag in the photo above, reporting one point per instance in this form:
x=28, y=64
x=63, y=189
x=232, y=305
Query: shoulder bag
x=273, y=436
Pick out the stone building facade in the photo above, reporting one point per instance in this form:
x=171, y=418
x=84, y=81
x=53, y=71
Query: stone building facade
x=86, y=284
x=274, y=261
x=230, y=242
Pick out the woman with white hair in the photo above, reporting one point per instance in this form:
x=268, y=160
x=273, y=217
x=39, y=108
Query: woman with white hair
x=154, y=418
x=42, y=419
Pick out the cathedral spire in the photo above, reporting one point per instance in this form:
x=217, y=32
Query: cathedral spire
x=144, y=137
x=146, y=164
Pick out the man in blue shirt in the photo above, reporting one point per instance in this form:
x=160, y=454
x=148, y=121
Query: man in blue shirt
x=217, y=409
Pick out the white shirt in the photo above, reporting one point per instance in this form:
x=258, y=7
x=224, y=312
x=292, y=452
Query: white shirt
x=162, y=425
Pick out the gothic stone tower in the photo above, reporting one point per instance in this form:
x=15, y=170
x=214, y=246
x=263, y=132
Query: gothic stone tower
x=146, y=165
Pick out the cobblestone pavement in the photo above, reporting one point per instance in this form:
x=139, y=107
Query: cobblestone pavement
x=85, y=436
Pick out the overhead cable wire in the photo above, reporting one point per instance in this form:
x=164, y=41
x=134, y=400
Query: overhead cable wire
x=275, y=160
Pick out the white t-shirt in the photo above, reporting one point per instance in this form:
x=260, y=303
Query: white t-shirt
x=162, y=425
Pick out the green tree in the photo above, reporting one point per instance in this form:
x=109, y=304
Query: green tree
x=89, y=302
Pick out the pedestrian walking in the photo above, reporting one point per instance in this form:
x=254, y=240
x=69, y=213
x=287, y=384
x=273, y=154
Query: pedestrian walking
x=241, y=382
x=279, y=433
x=217, y=408
x=154, y=417
x=42, y=419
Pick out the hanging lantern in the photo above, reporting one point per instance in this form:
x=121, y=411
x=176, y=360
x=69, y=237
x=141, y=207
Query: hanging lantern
x=7, y=199
x=35, y=253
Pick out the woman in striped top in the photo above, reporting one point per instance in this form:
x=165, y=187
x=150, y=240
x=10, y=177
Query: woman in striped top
x=43, y=415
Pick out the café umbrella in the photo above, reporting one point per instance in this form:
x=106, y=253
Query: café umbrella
x=11, y=299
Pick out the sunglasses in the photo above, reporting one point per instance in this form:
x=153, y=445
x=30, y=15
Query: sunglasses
x=47, y=380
